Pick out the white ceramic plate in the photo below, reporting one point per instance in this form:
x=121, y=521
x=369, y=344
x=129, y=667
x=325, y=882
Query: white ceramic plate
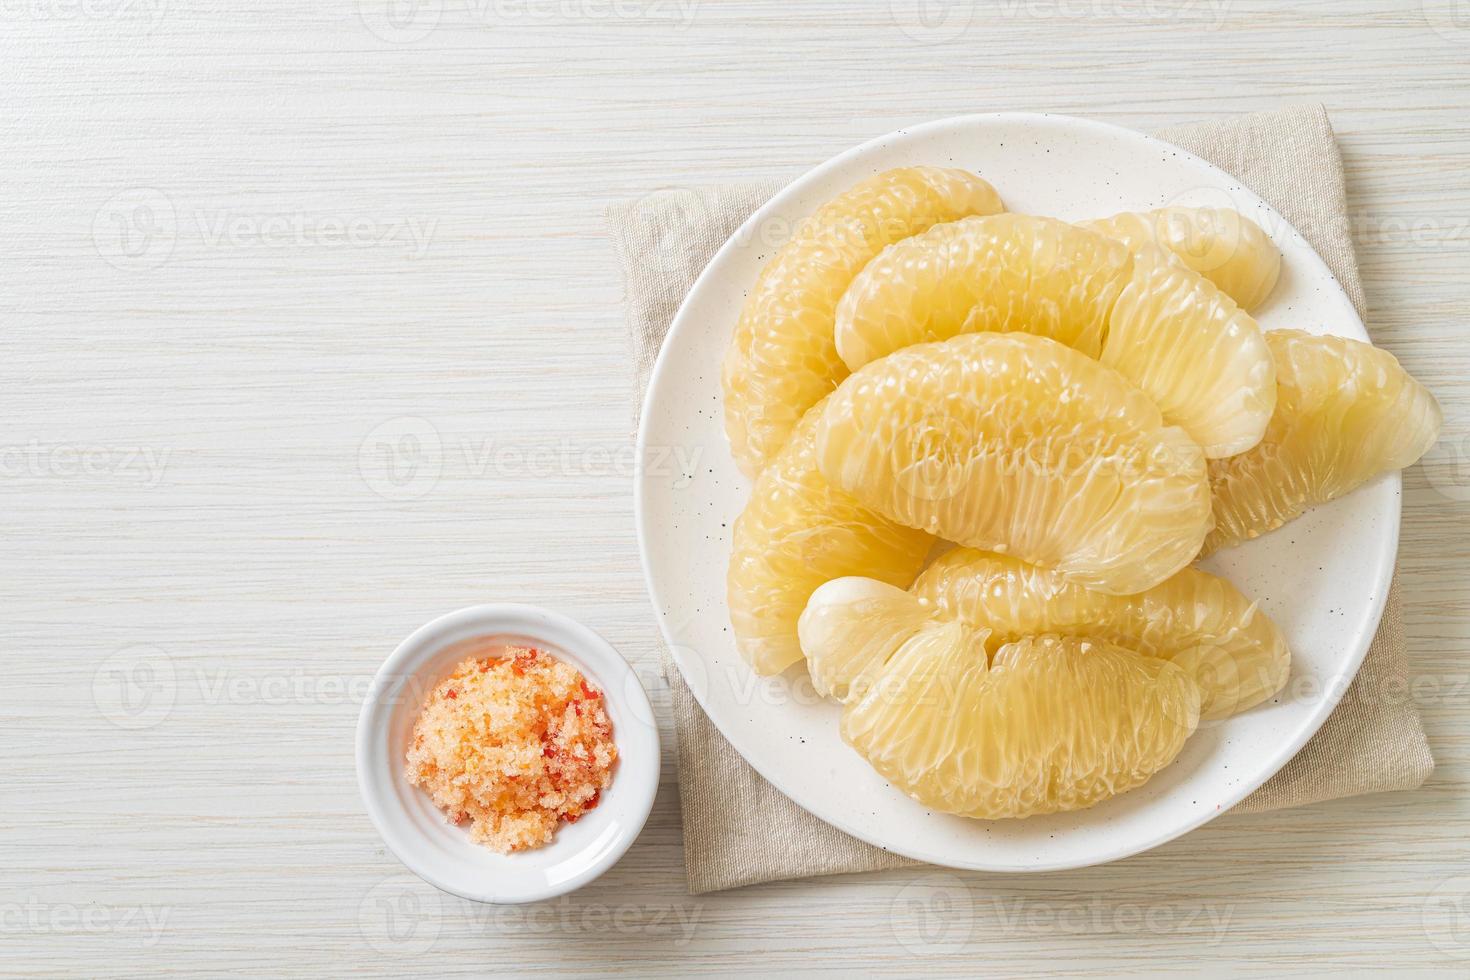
x=417, y=831
x=1323, y=578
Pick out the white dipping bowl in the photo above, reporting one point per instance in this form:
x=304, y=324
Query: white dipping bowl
x=419, y=833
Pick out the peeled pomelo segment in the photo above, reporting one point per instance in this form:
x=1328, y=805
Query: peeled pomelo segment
x=1346, y=412
x=850, y=628
x=1140, y=310
x=1197, y=354
x=1223, y=245
x=1234, y=653
x=796, y=532
x=782, y=358
x=1016, y=443
x=1007, y=272
x=1053, y=724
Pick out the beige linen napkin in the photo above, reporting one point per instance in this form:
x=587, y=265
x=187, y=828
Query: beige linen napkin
x=738, y=829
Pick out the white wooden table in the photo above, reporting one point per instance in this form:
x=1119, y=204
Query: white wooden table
x=248, y=246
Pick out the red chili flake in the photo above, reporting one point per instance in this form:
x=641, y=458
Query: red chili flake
x=451, y=694
x=589, y=693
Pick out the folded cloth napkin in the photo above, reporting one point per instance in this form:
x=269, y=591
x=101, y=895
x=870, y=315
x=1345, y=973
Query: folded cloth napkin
x=738, y=829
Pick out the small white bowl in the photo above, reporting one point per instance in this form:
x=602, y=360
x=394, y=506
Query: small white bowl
x=417, y=831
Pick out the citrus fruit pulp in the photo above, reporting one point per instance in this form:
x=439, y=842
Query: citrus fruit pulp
x=1197, y=354
x=796, y=532
x=1346, y=411
x=782, y=358
x=1223, y=245
x=849, y=629
x=1016, y=443
x=1233, y=651
x=1143, y=312
x=1009, y=272
x=1048, y=724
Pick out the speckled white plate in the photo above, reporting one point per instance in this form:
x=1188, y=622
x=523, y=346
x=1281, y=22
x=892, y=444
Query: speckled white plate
x=1323, y=578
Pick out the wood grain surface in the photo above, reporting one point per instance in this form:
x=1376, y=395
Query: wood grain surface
x=310, y=333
